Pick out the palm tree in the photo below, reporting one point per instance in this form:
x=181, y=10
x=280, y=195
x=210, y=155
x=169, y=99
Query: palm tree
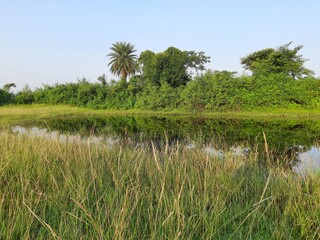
x=122, y=59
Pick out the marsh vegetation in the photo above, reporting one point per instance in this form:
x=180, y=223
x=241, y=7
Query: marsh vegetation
x=105, y=177
x=76, y=189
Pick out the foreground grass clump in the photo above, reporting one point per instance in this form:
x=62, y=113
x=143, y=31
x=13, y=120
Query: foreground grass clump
x=77, y=190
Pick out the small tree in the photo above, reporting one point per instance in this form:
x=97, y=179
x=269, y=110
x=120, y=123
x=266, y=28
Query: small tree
x=103, y=79
x=5, y=95
x=8, y=86
x=280, y=60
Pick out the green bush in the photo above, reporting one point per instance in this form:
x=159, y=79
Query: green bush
x=5, y=97
x=212, y=91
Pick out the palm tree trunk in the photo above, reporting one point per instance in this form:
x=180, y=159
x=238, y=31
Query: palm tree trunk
x=123, y=76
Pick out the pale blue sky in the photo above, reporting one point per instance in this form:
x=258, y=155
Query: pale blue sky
x=49, y=41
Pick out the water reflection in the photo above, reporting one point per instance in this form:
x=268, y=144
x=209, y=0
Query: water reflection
x=111, y=141
x=235, y=152
x=215, y=137
x=57, y=136
x=224, y=132
x=308, y=161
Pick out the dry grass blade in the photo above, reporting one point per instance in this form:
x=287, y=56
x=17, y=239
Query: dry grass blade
x=46, y=225
x=155, y=157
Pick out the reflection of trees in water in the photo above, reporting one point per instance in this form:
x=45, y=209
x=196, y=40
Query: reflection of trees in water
x=223, y=132
x=306, y=160
x=287, y=140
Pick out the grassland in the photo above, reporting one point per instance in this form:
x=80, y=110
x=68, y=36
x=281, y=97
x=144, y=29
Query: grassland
x=18, y=112
x=76, y=190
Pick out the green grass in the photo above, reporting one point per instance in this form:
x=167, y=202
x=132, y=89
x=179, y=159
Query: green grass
x=76, y=190
x=18, y=112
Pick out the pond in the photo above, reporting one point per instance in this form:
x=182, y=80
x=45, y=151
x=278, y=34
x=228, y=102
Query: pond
x=296, y=141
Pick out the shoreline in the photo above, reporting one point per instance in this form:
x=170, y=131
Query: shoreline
x=46, y=111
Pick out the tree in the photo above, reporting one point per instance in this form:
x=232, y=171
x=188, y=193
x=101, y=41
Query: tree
x=25, y=96
x=280, y=60
x=196, y=60
x=8, y=86
x=5, y=95
x=171, y=66
x=122, y=59
x=249, y=61
x=148, y=61
x=103, y=79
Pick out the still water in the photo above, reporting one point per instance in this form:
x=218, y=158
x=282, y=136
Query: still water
x=296, y=141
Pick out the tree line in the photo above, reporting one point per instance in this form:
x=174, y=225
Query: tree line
x=176, y=79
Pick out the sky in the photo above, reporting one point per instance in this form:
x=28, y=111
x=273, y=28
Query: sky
x=59, y=41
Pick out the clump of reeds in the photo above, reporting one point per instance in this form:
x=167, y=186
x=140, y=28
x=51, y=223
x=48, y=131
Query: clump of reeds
x=76, y=190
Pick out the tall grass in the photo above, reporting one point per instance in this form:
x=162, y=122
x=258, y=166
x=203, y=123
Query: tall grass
x=76, y=190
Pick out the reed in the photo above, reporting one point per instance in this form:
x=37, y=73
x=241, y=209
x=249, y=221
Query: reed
x=77, y=190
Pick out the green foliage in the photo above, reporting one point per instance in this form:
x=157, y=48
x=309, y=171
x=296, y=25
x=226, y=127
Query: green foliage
x=223, y=91
x=148, y=64
x=8, y=86
x=122, y=59
x=5, y=97
x=171, y=66
x=166, y=82
x=103, y=79
x=119, y=96
x=196, y=60
x=198, y=93
x=248, y=61
x=212, y=91
x=278, y=90
x=280, y=60
x=25, y=96
x=163, y=97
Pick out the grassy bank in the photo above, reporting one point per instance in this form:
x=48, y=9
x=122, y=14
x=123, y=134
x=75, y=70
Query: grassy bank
x=18, y=112
x=76, y=190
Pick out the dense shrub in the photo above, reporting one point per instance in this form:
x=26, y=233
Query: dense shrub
x=161, y=97
x=279, y=90
x=26, y=96
x=213, y=91
x=6, y=97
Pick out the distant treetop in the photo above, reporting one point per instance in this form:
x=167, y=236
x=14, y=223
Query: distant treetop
x=171, y=66
x=279, y=60
x=122, y=59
